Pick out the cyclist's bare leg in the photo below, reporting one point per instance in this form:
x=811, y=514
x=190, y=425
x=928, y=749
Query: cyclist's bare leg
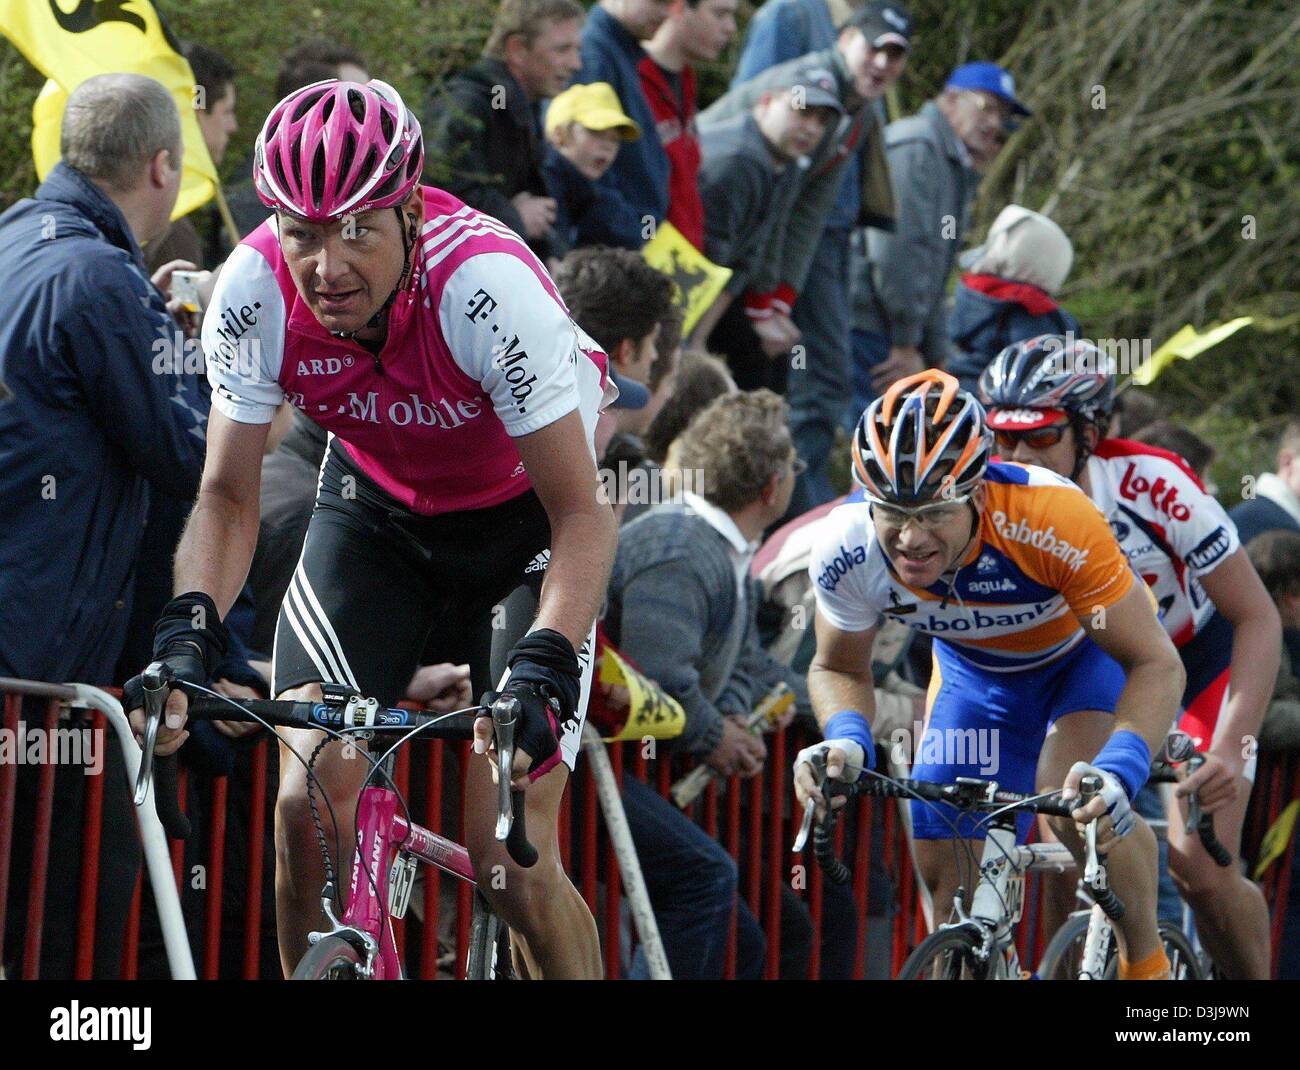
x=1231, y=914
x=299, y=868
x=1134, y=861
x=552, y=928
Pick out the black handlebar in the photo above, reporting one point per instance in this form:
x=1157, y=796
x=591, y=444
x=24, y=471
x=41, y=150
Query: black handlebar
x=337, y=712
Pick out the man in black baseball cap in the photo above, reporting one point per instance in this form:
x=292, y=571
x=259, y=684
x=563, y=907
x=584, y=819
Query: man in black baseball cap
x=805, y=278
x=884, y=24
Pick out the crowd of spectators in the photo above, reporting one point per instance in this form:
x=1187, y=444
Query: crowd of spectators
x=582, y=132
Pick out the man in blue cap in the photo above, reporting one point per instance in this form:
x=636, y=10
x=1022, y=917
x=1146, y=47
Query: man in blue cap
x=900, y=312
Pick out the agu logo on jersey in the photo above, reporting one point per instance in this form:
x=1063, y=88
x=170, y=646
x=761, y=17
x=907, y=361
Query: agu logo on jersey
x=991, y=586
x=1047, y=541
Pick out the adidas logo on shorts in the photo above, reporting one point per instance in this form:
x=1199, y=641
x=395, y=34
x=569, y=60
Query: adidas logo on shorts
x=538, y=563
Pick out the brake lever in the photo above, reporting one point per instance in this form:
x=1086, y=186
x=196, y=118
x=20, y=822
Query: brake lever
x=505, y=714
x=818, y=763
x=156, y=681
x=1194, y=812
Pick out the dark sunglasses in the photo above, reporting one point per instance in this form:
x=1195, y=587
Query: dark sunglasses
x=1040, y=438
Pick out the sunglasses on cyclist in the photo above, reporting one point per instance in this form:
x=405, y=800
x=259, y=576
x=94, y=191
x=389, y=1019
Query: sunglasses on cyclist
x=1040, y=438
x=927, y=517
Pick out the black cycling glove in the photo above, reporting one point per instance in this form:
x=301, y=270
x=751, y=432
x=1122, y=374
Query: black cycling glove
x=546, y=678
x=190, y=638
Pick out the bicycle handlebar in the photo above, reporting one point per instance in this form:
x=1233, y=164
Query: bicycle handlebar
x=331, y=712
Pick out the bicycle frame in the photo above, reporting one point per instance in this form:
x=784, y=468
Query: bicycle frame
x=999, y=895
x=386, y=836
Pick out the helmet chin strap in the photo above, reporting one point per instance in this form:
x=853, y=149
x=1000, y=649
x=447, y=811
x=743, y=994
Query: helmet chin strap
x=951, y=571
x=409, y=231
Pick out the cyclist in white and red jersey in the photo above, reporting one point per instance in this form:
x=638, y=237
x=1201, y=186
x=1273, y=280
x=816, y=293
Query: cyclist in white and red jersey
x=1050, y=399
x=1049, y=662
x=461, y=400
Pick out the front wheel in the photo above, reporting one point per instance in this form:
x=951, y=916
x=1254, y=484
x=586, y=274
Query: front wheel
x=489, y=945
x=946, y=955
x=1063, y=958
x=332, y=958
x=1184, y=963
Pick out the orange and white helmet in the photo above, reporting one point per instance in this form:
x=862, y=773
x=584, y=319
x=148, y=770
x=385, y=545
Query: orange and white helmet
x=922, y=441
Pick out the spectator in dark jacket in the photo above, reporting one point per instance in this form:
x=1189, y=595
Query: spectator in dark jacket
x=900, y=311
x=612, y=52
x=95, y=419
x=484, y=124
x=806, y=271
x=695, y=32
x=753, y=166
x=585, y=128
x=1007, y=293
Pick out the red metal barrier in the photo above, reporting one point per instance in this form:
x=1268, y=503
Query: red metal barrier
x=762, y=809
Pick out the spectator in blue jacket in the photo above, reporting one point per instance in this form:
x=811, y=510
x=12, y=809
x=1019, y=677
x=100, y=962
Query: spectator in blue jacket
x=1007, y=293
x=95, y=420
x=585, y=130
x=637, y=183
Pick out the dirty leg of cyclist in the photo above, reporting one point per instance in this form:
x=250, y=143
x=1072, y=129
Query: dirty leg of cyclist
x=299, y=868
x=1133, y=861
x=1230, y=911
x=549, y=921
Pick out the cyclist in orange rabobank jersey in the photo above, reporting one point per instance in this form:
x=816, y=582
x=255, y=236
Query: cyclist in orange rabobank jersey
x=1049, y=662
x=1050, y=399
x=461, y=400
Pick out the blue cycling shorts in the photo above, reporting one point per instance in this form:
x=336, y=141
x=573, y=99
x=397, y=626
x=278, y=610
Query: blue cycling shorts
x=992, y=725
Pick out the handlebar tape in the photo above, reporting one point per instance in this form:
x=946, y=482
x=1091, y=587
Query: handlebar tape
x=166, y=798
x=517, y=845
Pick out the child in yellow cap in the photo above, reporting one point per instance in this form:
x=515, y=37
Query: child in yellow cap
x=584, y=127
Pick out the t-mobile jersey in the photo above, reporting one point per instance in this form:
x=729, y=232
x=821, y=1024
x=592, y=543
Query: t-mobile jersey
x=1042, y=558
x=1171, y=530
x=480, y=349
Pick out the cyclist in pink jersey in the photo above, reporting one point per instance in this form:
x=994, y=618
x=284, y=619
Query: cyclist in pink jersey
x=461, y=400
x=1050, y=400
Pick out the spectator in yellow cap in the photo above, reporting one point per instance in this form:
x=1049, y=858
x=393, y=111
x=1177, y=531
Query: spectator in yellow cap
x=585, y=126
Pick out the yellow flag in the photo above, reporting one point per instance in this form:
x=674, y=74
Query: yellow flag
x=70, y=42
x=1275, y=841
x=697, y=278
x=653, y=712
x=1186, y=344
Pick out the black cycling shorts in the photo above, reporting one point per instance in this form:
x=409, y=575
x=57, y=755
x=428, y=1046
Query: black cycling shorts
x=380, y=590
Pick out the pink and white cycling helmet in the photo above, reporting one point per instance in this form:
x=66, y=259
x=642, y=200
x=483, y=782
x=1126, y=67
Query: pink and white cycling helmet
x=336, y=148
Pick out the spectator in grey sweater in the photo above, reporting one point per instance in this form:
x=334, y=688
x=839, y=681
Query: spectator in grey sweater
x=681, y=602
x=900, y=314
x=752, y=166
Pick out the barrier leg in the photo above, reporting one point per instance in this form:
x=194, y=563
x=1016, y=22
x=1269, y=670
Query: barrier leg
x=620, y=837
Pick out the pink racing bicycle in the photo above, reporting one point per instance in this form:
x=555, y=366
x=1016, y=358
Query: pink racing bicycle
x=389, y=845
